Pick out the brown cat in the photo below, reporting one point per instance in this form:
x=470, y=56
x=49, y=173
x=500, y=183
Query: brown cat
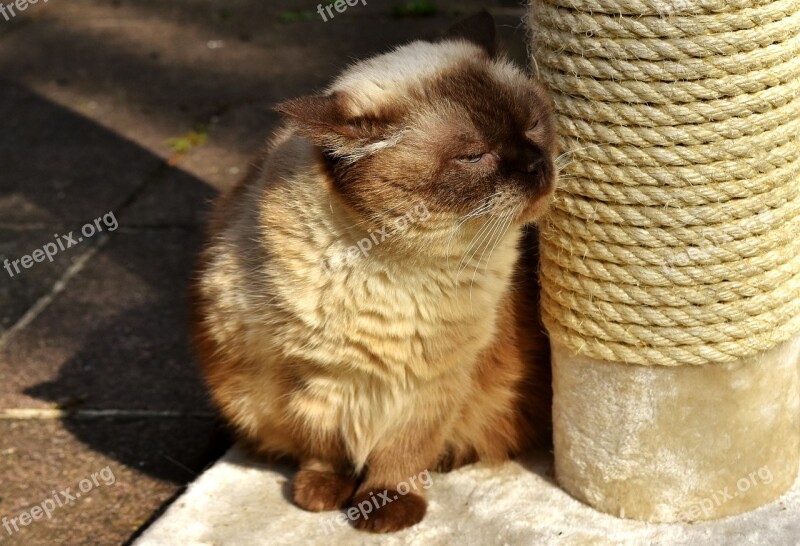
x=367, y=303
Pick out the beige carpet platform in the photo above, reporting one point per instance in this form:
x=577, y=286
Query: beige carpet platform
x=241, y=503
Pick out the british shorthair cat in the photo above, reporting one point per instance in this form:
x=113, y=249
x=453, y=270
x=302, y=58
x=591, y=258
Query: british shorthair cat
x=372, y=355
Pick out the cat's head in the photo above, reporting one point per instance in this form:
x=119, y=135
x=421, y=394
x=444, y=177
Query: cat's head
x=449, y=124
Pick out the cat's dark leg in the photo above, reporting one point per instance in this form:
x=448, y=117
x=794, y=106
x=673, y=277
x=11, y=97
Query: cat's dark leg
x=391, y=496
x=326, y=479
x=319, y=486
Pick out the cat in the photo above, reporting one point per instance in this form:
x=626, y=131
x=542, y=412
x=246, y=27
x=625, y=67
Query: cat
x=426, y=352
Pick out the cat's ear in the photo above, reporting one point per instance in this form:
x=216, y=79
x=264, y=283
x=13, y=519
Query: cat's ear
x=326, y=120
x=479, y=29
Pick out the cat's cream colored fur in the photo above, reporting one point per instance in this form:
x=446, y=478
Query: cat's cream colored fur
x=389, y=331
x=394, y=361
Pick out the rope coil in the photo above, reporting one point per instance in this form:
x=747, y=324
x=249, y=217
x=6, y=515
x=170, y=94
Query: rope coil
x=674, y=237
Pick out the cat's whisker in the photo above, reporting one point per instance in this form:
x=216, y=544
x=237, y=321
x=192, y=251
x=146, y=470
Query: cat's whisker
x=507, y=225
x=485, y=226
x=455, y=230
x=561, y=168
x=476, y=212
x=487, y=202
x=485, y=231
x=500, y=234
x=481, y=210
x=489, y=242
x=474, y=240
x=575, y=150
x=559, y=161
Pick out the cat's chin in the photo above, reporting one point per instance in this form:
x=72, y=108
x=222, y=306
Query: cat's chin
x=536, y=208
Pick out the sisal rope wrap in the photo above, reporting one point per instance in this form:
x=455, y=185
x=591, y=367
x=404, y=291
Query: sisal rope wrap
x=675, y=233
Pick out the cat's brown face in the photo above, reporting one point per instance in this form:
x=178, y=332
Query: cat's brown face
x=442, y=124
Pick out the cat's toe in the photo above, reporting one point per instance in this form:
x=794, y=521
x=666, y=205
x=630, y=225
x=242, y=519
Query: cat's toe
x=318, y=491
x=401, y=512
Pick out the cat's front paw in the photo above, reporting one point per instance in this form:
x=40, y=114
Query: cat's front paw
x=389, y=511
x=318, y=491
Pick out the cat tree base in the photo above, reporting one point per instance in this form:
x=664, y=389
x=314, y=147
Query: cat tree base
x=669, y=444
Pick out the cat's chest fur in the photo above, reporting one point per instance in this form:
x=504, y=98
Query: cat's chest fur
x=383, y=332
x=388, y=313
x=392, y=336
x=401, y=319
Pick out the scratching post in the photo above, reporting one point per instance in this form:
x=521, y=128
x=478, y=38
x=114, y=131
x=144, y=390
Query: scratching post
x=670, y=264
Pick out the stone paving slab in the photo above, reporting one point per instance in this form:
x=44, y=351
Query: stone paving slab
x=149, y=461
x=116, y=337
x=58, y=168
x=19, y=293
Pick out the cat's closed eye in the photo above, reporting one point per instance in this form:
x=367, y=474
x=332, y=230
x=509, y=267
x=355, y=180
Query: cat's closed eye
x=476, y=159
x=471, y=158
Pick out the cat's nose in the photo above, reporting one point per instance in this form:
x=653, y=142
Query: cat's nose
x=535, y=166
x=531, y=162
